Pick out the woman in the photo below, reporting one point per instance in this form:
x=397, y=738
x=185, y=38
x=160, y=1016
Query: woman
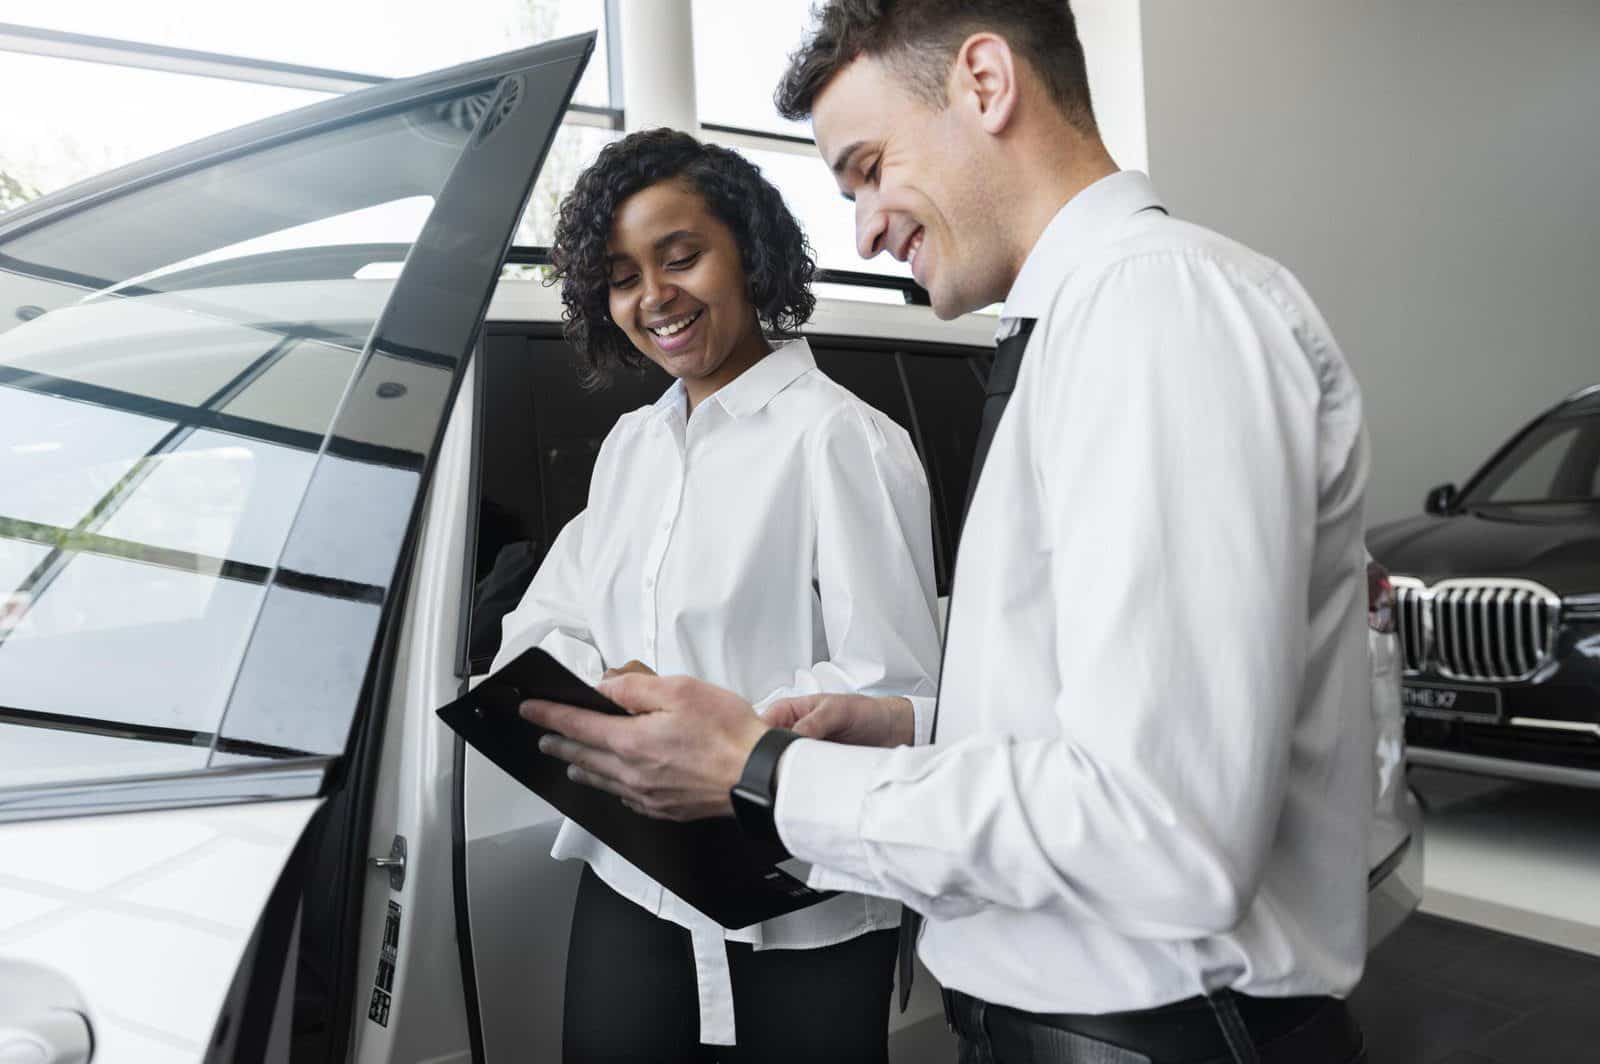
x=759, y=527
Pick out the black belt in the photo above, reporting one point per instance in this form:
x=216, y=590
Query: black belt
x=1306, y=1030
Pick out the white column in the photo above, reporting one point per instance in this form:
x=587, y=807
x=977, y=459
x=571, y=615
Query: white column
x=1111, y=32
x=658, y=64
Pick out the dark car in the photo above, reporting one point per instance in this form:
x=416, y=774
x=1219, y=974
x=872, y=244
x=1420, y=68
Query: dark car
x=1498, y=588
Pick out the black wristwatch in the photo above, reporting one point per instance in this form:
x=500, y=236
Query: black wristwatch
x=755, y=796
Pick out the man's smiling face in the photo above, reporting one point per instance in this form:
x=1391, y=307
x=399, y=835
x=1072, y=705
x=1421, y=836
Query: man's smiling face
x=915, y=173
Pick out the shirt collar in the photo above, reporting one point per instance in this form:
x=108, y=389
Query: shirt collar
x=751, y=390
x=672, y=401
x=1083, y=221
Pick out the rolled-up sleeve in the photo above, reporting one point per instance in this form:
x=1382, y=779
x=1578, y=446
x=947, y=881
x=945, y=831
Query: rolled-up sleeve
x=1171, y=417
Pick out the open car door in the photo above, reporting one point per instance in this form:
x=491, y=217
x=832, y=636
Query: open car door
x=224, y=377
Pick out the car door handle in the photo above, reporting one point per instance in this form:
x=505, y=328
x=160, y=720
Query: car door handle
x=55, y=1036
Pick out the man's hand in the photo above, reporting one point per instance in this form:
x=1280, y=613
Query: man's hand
x=632, y=666
x=860, y=720
x=676, y=758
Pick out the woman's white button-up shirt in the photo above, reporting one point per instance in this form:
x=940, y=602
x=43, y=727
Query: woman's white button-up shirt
x=776, y=542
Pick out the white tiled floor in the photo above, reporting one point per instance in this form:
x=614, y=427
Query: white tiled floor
x=1520, y=858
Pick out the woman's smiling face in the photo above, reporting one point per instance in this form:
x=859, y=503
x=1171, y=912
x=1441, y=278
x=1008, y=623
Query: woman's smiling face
x=678, y=290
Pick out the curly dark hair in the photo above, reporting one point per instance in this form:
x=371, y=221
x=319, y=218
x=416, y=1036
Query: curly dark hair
x=778, y=261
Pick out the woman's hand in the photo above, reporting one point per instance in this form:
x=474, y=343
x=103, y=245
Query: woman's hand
x=860, y=720
x=633, y=666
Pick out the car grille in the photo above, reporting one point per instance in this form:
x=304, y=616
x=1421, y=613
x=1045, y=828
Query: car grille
x=1480, y=629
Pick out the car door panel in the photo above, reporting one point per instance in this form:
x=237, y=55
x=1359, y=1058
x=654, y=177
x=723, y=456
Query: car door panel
x=146, y=914
x=313, y=655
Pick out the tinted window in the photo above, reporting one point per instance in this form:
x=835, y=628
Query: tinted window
x=881, y=379
x=1558, y=460
x=873, y=376
x=164, y=403
x=540, y=433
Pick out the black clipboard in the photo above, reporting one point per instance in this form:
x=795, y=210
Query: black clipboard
x=710, y=864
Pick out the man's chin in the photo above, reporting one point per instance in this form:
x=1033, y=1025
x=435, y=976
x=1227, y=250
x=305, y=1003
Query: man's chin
x=949, y=304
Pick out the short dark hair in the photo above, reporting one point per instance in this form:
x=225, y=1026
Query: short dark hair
x=778, y=261
x=918, y=39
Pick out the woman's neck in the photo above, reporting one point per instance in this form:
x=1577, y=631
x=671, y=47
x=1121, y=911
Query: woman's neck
x=749, y=351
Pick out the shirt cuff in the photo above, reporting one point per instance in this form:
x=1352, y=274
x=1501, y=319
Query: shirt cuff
x=822, y=788
x=922, y=707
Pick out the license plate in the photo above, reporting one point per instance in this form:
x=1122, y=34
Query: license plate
x=1455, y=703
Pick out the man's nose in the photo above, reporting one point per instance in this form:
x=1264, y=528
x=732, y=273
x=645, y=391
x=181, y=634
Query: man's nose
x=871, y=225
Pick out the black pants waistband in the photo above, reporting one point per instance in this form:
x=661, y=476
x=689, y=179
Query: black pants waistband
x=1186, y=1030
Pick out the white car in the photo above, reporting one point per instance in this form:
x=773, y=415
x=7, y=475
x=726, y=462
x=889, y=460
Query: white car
x=281, y=438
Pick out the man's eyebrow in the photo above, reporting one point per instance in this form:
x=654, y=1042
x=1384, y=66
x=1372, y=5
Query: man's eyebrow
x=841, y=162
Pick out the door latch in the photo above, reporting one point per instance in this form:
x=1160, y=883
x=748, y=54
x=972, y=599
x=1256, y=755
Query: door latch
x=395, y=863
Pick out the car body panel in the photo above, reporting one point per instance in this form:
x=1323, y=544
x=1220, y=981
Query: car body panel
x=146, y=914
x=1557, y=545
x=1395, y=851
x=414, y=797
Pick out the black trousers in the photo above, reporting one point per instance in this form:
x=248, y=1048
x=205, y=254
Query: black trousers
x=1197, y=1031
x=631, y=993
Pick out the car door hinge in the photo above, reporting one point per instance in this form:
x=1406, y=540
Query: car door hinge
x=395, y=863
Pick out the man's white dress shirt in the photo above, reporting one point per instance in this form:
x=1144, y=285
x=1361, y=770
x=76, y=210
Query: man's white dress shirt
x=776, y=542
x=1152, y=775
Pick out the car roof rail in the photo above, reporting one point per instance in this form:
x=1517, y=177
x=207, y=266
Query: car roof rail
x=914, y=293
x=1582, y=393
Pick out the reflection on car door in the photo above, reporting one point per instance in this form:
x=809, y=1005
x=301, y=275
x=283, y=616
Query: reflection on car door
x=216, y=449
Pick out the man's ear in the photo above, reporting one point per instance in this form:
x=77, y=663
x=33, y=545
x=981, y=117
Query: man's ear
x=986, y=79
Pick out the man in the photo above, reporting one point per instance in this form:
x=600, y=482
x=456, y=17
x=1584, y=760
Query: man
x=1140, y=832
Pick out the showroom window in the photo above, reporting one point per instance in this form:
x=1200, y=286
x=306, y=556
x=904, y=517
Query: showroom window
x=740, y=52
x=127, y=81
x=827, y=217
x=103, y=116
x=386, y=38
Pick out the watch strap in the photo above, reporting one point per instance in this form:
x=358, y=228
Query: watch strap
x=755, y=796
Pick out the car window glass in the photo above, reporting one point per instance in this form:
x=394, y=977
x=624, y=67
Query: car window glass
x=1530, y=471
x=171, y=360
x=571, y=422
x=541, y=431
x=871, y=375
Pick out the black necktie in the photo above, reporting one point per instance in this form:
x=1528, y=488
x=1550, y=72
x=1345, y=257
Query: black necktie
x=1002, y=379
